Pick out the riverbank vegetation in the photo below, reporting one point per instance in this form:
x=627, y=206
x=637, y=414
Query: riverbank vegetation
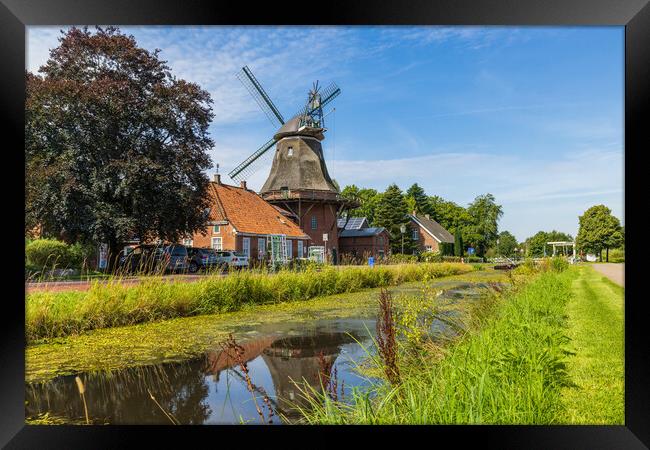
x=111, y=304
x=173, y=340
x=520, y=361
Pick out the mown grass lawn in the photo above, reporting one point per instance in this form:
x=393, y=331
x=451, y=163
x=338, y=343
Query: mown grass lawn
x=596, y=328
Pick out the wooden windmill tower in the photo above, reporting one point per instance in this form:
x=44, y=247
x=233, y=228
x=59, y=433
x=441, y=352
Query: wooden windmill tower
x=299, y=181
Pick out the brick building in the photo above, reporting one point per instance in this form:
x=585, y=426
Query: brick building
x=358, y=240
x=242, y=221
x=428, y=234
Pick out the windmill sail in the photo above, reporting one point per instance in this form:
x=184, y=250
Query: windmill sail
x=261, y=97
x=250, y=164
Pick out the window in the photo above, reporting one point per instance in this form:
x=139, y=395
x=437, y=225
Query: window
x=314, y=223
x=216, y=243
x=381, y=253
x=289, y=249
x=187, y=242
x=216, y=229
x=290, y=151
x=300, y=249
x=261, y=247
x=428, y=248
x=246, y=246
x=416, y=237
x=380, y=240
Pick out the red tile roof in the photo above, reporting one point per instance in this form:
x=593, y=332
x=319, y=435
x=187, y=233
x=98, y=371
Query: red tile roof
x=248, y=212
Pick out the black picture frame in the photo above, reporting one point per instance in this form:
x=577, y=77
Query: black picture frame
x=15, y=15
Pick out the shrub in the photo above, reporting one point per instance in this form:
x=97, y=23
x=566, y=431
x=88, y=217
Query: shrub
x=48, y=252
x=431, y=257
x=559, y=264
x=400, y=258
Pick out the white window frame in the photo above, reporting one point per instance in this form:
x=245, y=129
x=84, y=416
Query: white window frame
x=289, y=249
x=246, y=246
x=217, y=243
x=301, y=249
x=216, y=229
x=261, y=245
x=415, y=234
x=428, y=248
x=191, y=242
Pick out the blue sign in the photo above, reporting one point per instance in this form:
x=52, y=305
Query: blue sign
x=470, y=250
x=371, y=261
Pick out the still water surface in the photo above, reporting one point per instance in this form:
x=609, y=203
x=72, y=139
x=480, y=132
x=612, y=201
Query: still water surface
x=212, y=389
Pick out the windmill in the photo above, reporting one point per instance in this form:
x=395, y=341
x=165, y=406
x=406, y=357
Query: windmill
x=310, y=115
x=298, y=181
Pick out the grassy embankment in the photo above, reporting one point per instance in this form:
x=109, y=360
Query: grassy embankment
x=514, y=365
x=52, y=314
x=182, y=338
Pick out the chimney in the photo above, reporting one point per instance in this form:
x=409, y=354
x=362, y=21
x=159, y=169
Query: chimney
x=217, y=178
x=242, y=184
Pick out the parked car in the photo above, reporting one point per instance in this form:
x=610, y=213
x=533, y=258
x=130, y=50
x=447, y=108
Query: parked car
x=154, y=258
x=202, y=259
x=232, y=259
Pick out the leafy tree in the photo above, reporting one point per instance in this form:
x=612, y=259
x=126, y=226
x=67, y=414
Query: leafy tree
x=115, y=145
x=368, y=198
x=506, y=244
x=391, y=214
x=418, y=200
x=482, y=232
x=599, y=230
x=448, y=214
x=536, y=246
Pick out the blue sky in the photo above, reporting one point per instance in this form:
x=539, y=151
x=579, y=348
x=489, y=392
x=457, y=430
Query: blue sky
x=533, y=115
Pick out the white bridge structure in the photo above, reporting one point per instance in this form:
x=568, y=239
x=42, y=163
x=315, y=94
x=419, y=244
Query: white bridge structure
x=564, y=245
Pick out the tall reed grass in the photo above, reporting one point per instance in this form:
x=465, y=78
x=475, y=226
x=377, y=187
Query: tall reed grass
x=111, y=304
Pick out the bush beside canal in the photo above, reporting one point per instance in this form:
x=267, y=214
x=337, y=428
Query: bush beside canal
x=111, y=304
x=509, y=368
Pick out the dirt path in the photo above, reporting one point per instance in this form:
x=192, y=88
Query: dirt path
x=615, y=272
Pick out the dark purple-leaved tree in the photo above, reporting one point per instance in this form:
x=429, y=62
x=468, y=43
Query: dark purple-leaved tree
x=115, y=145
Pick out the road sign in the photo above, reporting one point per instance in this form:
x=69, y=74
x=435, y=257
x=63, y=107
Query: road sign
x=325, y=237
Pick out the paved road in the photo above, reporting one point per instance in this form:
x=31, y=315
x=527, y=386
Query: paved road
x=615, y=272
x=82, y=285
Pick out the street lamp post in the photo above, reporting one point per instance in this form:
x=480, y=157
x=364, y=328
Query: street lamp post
x=402, y=230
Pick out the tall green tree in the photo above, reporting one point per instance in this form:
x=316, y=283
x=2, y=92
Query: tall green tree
x=449, y=214
x=115, y=145
x=458, y=243
x=506, y=244
x=392, y=214
x=418, y=200
x=599, y=230
x=482, y=232
x=368, y=198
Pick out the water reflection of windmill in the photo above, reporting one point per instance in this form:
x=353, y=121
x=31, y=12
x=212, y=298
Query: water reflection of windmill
x=298, y=359
x=299, y=181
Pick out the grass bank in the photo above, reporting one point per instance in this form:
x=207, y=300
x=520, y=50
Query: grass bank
x=596, y=329
x=105, y=305
x=181, y=338
x=510, y=368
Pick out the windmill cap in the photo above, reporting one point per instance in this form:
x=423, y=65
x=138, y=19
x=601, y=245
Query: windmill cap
x=292, y=127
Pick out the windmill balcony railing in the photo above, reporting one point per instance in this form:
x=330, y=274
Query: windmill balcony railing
x=304, y=194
